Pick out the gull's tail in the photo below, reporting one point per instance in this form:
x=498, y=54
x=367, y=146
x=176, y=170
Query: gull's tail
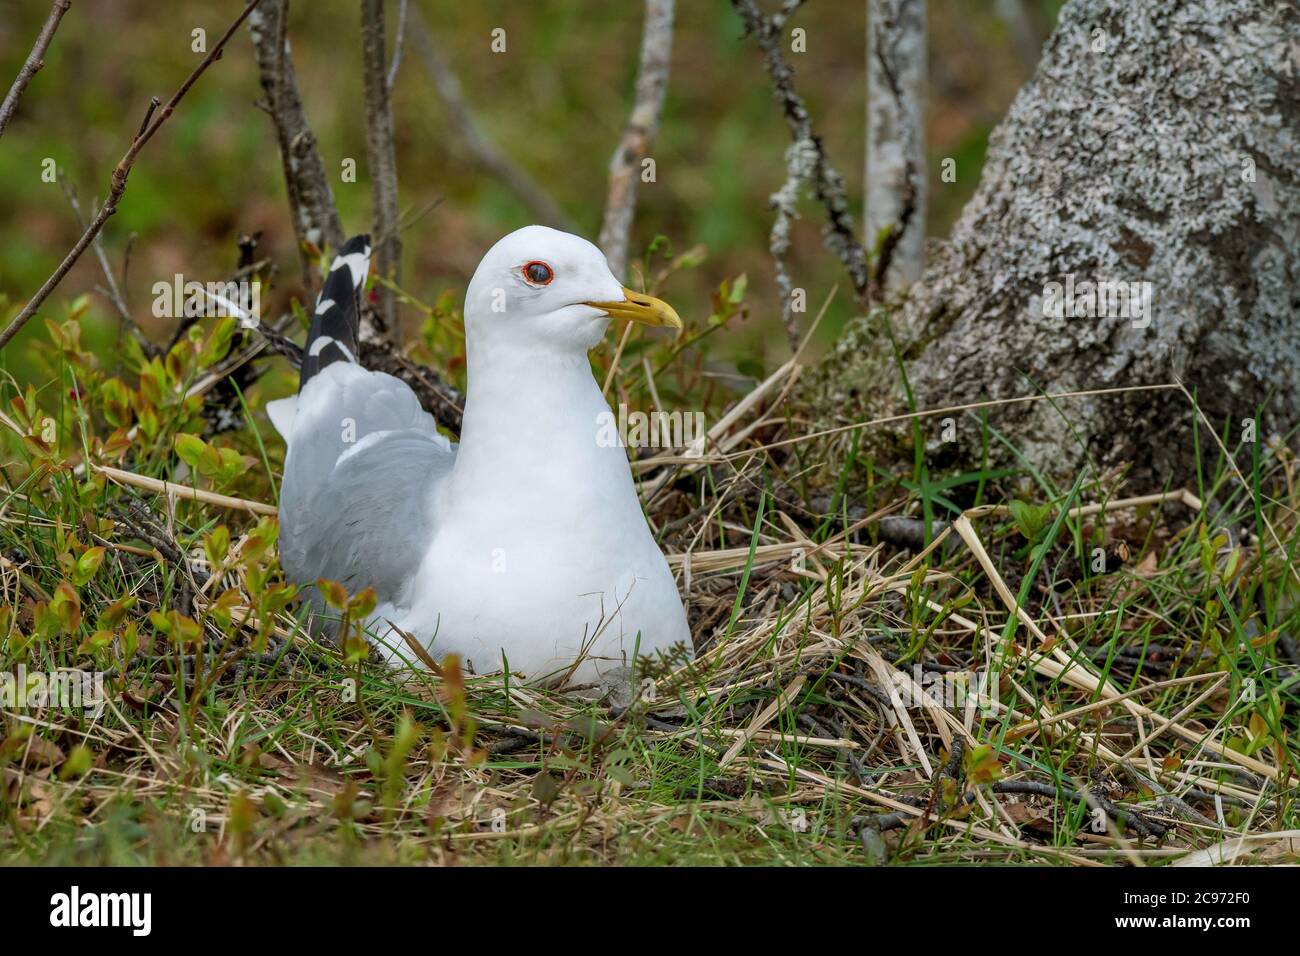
x=335, y=324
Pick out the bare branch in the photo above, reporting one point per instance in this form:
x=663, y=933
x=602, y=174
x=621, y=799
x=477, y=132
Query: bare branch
x=316, y=220
x=117, y=186
x=382, y=159
x=113, y=293
x=485, y=153
x=806, y=161
x=642, y=127
x=35, y=60
x=311, y=202
x=403, y=13
x=799, y=161
x=895, y=160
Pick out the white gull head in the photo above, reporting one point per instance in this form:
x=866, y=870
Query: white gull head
x=542, y=289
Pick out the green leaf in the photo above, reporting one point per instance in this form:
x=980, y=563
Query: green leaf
x=190, y=448
x=176, y=627
x=115, y=613
x=221, y=609
x=66, y=607
x=982, y=764
x=217, y=545
x=209, y=461
x=1030, y=519
x=362, y=605
x=218, y=343
x=738, y=287
x=87, y=565
x=335, y=594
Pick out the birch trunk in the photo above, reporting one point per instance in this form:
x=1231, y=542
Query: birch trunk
x=1157, y=146
x=895, y=164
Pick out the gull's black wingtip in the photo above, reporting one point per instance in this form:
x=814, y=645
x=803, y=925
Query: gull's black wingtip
x=336, y=322
x=357, y=243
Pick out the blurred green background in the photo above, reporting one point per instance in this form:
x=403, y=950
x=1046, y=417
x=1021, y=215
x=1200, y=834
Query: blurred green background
x=555, y=102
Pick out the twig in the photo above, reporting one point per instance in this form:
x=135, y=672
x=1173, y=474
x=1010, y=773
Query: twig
x=217, y=373
x=183, y=491
x=282, y=345
x=35, y=60
x=1124, y=816
x=1171, y=802
x=642, y=127
x=897, y=114
x=126, y=267
x=315, y=218
x=481, y=149
x=113, y=293
x=872, y=690
x=148, y=115
x=244, y=271
x=311, y=202
x=952, y=770
x=399, y=40
x=806, y=162
x=117, y=186
x=382, y=160
x=139, y=521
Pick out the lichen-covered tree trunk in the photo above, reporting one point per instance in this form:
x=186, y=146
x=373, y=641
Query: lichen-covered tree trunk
x=1137, y=223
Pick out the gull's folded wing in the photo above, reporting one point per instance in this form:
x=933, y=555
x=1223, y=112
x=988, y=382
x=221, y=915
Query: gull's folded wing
x=363, y=463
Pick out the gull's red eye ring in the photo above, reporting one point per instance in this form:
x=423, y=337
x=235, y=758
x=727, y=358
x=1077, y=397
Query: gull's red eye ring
x=538, y=272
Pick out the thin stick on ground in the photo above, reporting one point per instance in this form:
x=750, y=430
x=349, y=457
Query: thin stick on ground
x=625, y=167
x=35, y=60
x=184, y=491
x=117, y=186
x=892, y=419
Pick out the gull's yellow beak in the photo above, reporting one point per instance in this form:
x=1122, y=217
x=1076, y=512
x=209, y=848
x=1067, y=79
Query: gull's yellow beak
x=639, y=307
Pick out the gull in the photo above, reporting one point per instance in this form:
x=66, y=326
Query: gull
x=524, y=547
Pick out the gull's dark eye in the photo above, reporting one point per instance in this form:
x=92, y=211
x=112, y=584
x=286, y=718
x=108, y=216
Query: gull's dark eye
x=538, y=273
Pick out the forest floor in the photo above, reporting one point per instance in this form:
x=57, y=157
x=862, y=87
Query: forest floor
x=891, y=668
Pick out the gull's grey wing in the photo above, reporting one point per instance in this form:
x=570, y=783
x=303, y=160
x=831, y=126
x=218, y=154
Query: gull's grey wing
x=363, y=463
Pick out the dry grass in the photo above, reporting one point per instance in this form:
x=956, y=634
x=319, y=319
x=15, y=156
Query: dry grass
x=1141, y=715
